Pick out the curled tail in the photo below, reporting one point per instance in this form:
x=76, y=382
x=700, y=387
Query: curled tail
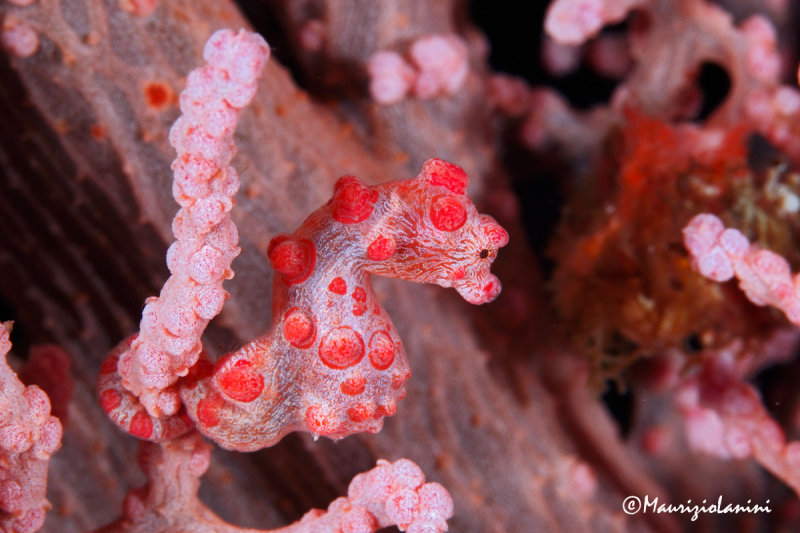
x=125, y=410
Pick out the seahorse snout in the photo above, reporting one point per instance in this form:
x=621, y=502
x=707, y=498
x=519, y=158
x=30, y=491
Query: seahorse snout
x=480, y=289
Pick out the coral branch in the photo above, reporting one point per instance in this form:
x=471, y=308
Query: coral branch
x=48, y=367
x=720, y=254
x=169, y=502
x=438, y=66
x=575, y=21
x=206, y=239
x=29, y=435
x=725, y=417
x=18, y=38
x=389, y=494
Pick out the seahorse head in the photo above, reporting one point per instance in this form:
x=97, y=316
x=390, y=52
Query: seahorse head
x=433, y=233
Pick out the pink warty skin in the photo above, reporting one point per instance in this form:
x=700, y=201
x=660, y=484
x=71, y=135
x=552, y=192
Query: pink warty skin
x=333, y=363
x=726, y=418
x=18, y=37
x=762, y=59
x=390, y=494
x=168, y=343
x=442, y=62
x=720, y=254
x=391, y=77
x=29, y=435
x=576, y=21
x=437, y=65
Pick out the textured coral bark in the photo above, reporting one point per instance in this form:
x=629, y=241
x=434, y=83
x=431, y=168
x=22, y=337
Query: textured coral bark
x=85, y=202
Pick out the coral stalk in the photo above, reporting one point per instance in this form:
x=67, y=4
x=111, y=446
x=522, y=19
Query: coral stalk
x=29, y=435
x=390, y=494
x=720, y=253
x=168, y=343
x=438, y=65
x=726, y=418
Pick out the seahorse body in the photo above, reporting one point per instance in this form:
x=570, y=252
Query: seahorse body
x=333, y=362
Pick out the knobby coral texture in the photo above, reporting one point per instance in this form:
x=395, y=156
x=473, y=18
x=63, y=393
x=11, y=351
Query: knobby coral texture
x=638, y=161
x=29, y=435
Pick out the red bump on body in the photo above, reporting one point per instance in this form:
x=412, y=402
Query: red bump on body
x=447, y=213
x=381, y=350
x=319, y=420
x=141, y=425
x=110, y=400
x=381, y=248
x=444, y=174
x=293, y=259
x=298, y=328
x=360, y=304
x=497, y=235
x=360, y=412
x=491, y=289
x=338, y=286
x=353, y=386
x=352, y=201
x=341, y=347
x=390, y=409
x=208, y=410
x=398, y=380
x=240, y=382
x=109, y=365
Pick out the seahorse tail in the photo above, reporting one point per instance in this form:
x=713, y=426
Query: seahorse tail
x=125, y=409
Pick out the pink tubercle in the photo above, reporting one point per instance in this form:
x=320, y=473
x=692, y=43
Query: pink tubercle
x=18, y=37
x=341, y=347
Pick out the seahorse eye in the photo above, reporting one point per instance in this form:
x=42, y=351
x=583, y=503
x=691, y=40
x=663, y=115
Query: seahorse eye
x=484, y=253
